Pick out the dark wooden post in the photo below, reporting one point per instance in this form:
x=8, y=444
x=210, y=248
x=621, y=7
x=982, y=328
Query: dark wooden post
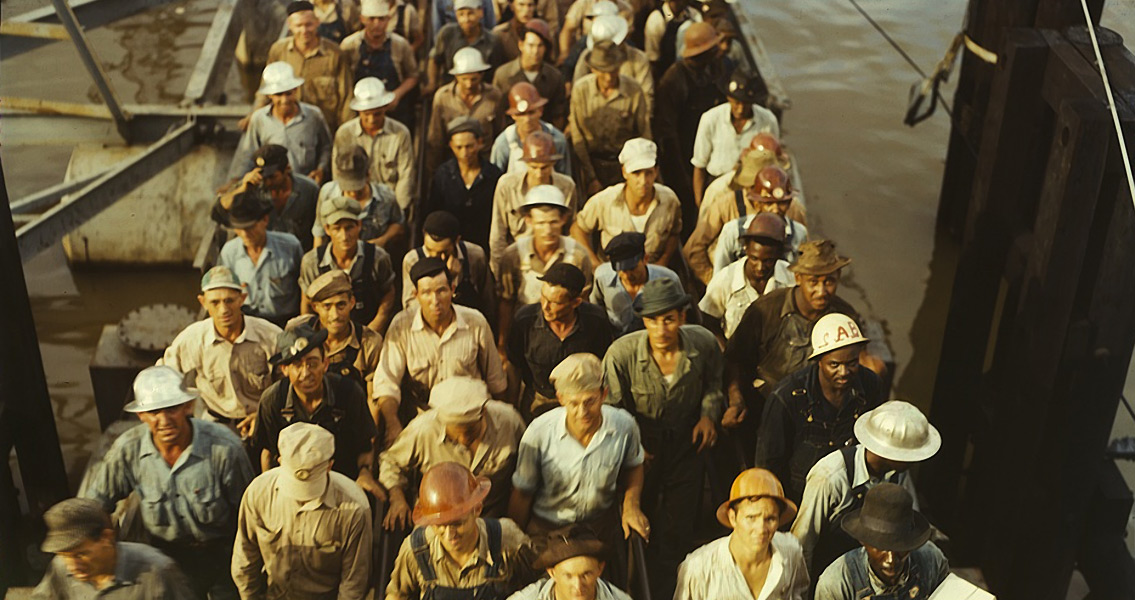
x=26, y=419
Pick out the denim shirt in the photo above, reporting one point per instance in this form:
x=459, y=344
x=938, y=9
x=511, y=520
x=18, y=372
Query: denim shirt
x=608, y=292
x=851, y=578
x=195, y=500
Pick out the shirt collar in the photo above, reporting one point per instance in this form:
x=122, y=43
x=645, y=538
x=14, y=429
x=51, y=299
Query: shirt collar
x=438, y=554
x=419, y=323
x=739, y=282
x=246, y=334
x=356, y=128
x=292, y=47
x=328, y=397
x=329, y=259
x=862, y=475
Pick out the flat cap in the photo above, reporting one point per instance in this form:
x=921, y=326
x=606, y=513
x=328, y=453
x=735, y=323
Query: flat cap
x=350, y=169
x=71, y=522
x=338, y=208
x=459, y=400
x=429, y=266
x=293, y=344
x=299, y=6
x=329, y=284
x=626, y=250
x=306, y=450
x=220, y=276
x=578, y=373
x=442, y=225
x=464, y=124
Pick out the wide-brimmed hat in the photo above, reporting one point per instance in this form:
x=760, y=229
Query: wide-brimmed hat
x=754, y=484
x=71, y=522
x=898, y=431
x=370, y=94
x=818, y=257
x=278, y=77
x=606, y=57
x=468, y=60
x=568, y=542
x=293, y=344
x=887, y=520
x=241, y=210
x=699, y=38
x=448, y=492
x=306, y=451
x=159, y=387
x=659, y=296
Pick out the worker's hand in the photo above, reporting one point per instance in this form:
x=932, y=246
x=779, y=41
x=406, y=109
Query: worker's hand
x=252, y=178
x=393, y=428
x=503, y=353
x=247, y=426
x=397, y=514
x=734, y=415
x=634, y=519
x=705, y=434
x=393, y=106
x=243, y=123
x=371, y=487
x=317, y=175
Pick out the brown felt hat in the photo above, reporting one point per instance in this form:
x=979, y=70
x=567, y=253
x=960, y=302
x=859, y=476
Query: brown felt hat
x=818, y=257
x=606, y=57
x=700, y=37
x=887, y=520
x=568, y=542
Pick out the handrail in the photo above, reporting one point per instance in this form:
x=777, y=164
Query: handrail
x=636, y=567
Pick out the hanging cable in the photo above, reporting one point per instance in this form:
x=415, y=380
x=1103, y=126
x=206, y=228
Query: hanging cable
x=1110, y=99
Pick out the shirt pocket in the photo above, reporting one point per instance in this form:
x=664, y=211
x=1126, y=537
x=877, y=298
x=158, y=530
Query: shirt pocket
x=325, y=552
x=325, y=89
x=204, y=502
x=388, y=171
x=153, y=504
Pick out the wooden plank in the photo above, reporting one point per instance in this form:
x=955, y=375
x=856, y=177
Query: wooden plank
x=45, y=31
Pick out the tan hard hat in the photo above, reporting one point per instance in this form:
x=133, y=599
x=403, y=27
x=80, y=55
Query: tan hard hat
x=700, y=37
x=449, y=491
x=755, y=484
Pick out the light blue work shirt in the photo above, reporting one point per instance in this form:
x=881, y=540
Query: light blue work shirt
x=273, y=282
x=378, y=215
x=570, y=482
x=306, y=137
x=730, y=248
x=508, y=148
x=608, y=292
x=195, y=500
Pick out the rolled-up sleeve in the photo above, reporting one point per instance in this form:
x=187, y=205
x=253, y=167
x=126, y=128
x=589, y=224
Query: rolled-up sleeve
x=400, y=457
x=703, y=142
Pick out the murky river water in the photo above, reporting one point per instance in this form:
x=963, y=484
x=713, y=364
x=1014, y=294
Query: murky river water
x=872, y=183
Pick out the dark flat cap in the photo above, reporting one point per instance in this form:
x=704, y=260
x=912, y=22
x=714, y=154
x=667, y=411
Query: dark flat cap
x=659, y=296
x=442, y=225
x=71, y=522
x=299, y=6
x=626, y=250
x=270, y=158
x=429, y=266
x=464, y=124
x=750, y=89
x=567, y=276
x=293, y=344
x=241, y=210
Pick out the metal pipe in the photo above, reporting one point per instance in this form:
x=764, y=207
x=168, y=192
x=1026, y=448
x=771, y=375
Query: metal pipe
x=91, y=62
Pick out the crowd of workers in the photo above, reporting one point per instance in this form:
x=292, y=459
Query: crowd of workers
x=608, y=307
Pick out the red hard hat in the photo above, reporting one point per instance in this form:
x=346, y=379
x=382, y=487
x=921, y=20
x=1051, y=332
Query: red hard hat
x=766, y=228
x=524, y=97
x=540, y=147
x=449, y=491
x=773, y=184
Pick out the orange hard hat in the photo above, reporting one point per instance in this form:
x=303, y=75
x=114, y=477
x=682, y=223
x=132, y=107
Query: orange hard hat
x=449, y=491
x=766, y=143
x=540, y=147
x=524, y=97
x=753, y=484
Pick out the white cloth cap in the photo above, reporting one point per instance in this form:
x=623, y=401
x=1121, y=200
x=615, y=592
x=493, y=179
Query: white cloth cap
x=581, y=372
x=638, y=154
x=460, y=4
x=376, y=8
x=305, y=457
x=603, y=7
x=459, y=399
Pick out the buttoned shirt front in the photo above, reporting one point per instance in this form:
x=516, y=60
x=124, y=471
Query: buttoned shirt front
x=609, y=292
x=718, y=145
x=545, y=589
x=508, y=222
x=317, y=549
x=141, y=572
x=548, y=81
x=406, y=579
x=730, y=247
x=229, y=375
x=710, y=572
x=535, y=350
x=600, y=125
x=609, y=213
x=471, y=204
x=327, y=76
x=635, y=382
x=448, y=105
x=729, y=293
x=378, y=215
x=570, y=482
x=391, y=154
x=850, y=577
x=466, y=348
x=195, y=500
x=521, y=268
x=306, y=136
x=508, y=150
x=423, y=444
x=321, y=260
x=827, y=493
x=271, y=282
x=297, y=216
x=637, y=67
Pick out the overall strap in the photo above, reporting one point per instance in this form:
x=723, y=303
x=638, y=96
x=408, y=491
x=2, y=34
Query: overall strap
x=739, y=200
x=493, y=527
x=422, y=554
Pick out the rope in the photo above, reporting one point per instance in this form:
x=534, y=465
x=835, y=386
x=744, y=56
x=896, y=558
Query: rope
x=1110, y=104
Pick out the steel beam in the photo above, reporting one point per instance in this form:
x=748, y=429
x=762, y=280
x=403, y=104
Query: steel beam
x=50, y=228
x=26, y=207
x=149, y=123
x=91, y=13
x=94, y=67
x=207, y=81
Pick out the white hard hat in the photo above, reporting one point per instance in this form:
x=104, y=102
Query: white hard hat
x=470, y=4
x=608, y=28
x=370, y=93
x=603, y=7
x=278, y=78
x=468, y=60
x=897, y=430
x=159, y=387
x=545, y=195
x=834, y=331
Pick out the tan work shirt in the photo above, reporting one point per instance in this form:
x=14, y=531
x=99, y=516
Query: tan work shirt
x=447, y=106
x=406, y=580
x=467, y=348
x=391, y=154
x=423, y=444
x=230, y=375
x=319, y=549
x=637, y=67
x=521, y=268
x=327, y=78
x=607, y=212
x=600, y=125
x=716, y=211
x=508, y=220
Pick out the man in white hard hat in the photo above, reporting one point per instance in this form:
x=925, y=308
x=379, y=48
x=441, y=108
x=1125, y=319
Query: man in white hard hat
x=614, y=28
x=298, y=126
x=327, y=76
x=467, y=32
x=226, y=354
x=580, y=18
x=90, y=562
x=377, y=52
x=305, y=530
x=189, y=475
x=811, y=413
x=463, y=425
x=892, y=438
x=466, y=96
x=386, y=141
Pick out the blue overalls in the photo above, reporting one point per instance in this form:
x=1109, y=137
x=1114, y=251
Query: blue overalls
x=495, y=586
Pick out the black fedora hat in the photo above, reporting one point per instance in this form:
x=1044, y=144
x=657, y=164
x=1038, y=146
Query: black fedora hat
x=887, y=520
x=241, y=210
